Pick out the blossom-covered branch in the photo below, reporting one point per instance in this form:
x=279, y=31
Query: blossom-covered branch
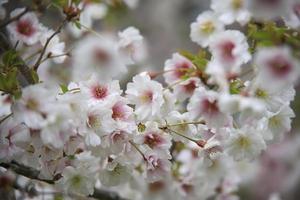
x=34, y=174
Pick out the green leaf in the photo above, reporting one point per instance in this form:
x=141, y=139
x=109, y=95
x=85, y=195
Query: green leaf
x=35, y=76
x=60, y=3
x=9, y=82
x=200, y=60
x=9, y=57
x=77, y=24
x=141, y=127
x=64, y=88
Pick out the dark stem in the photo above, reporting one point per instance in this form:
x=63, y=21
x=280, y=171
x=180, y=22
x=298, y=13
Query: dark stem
x=33, y=174
x=39, y=60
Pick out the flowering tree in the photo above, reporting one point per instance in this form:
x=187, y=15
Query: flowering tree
x=183, y=139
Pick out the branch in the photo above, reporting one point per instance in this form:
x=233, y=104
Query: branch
x=34, y=174
x=39, y=60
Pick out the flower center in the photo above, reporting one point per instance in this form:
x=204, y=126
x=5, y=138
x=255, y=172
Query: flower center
x=32, y=104
x=181, y=69
x=210, y=107
x=275, y=121
x=101, y=56
x=243, y=142
x=227, y=50
x=207, y=27
x=147, y=97
x=262, y=94
x=76, y=181
x=118, y=111
x=25, y=27
x=99, y=92
x=279, y=66
x=190, y=87
x=153, y=140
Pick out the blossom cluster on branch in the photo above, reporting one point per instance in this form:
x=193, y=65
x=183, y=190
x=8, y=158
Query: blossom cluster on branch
x=181, y=139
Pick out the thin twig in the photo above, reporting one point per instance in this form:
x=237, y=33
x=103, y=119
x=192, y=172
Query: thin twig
x=55, y=56
x=184, y=136
x=138, y=149
x=39, y=60
x=187, y=123
x=91, y=30
x=4, y=118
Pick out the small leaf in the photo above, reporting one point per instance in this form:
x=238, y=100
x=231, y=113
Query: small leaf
x=141, y=127
x=64, y=88
x=35, y=76
x=77, y=24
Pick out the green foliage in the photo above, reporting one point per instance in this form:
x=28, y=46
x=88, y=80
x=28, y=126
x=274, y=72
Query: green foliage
x=200, y=60
x=60, y=3
x=77, y=24
x=10, y=58
x=8, y=74
x=9, y=82
x=64, y=88
x=271, y=34
x=58, y=197
x=176, y=169
x=141, y=127
x=236, y=86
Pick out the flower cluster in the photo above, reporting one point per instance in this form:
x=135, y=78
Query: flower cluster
x=179, y=140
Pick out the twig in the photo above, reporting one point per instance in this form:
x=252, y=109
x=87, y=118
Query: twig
x=91, y=30
x=4, y=118
x=55, y=56
x=14, y=18
x=39, y=60
x=187, y=123
x=34, y=174
x=138, y=149
x=25, y=171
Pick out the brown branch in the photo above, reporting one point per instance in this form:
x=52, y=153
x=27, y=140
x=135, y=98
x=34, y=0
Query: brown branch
x=14, y=18
x=39, y=60
x=34, y=175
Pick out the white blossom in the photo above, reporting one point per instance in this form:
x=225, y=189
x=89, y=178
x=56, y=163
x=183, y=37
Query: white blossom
x=230, y=50
x=206, y=25
x=146, y=95
x=230, y=11
x=131, y=43
x=26, y=29
x=245, y=143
